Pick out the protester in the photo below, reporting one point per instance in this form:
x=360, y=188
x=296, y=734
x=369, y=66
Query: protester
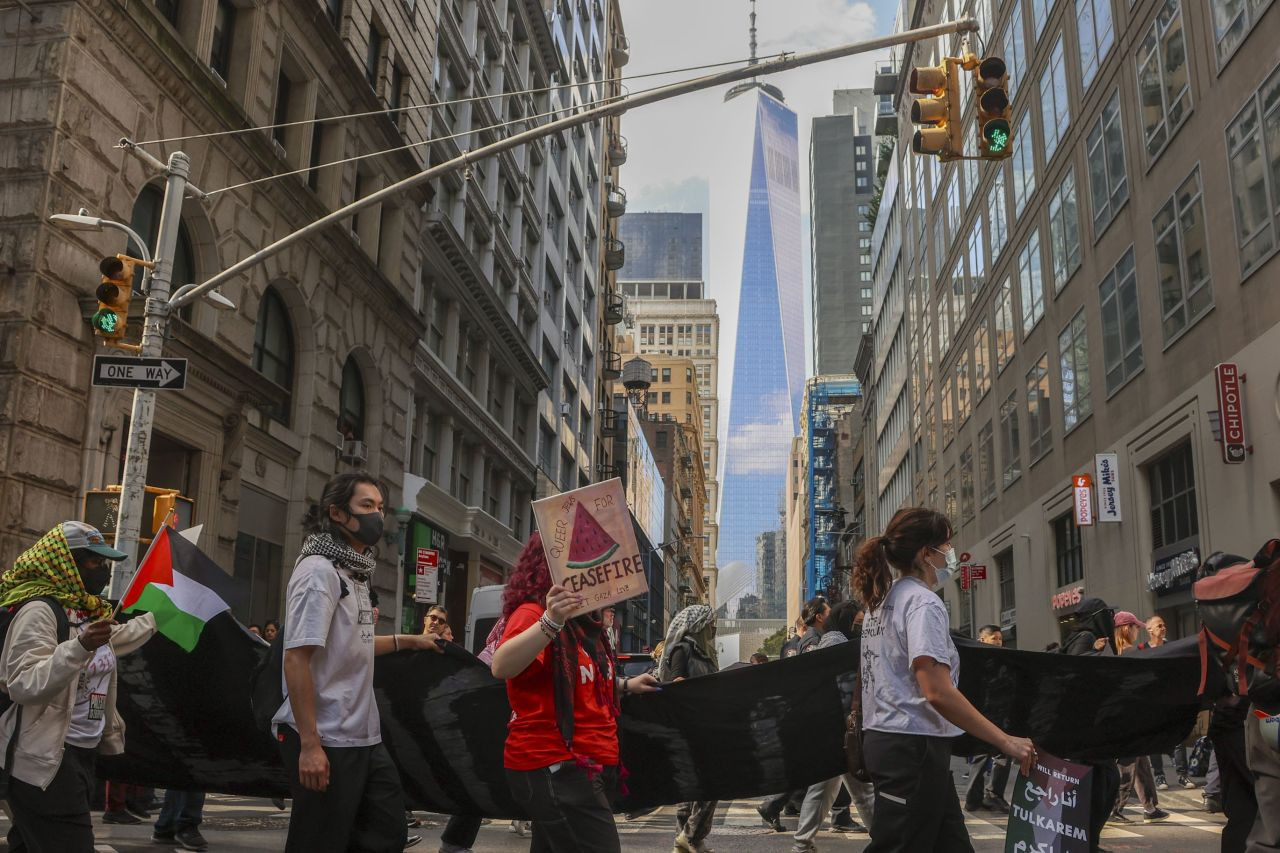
x=1135, y=773
x=1156, y=634
x=979, y=795
x=63, y=691
x=814, y=616
x=346, y=791
x=910, y=701
x=180, y=819
x=255, y=629
x=270, y=630
x=437, y=619
x=690, y=652
x=759, y=657
x=1090, y=627
x=791, y=647
x=561, y=753
x=821, y=795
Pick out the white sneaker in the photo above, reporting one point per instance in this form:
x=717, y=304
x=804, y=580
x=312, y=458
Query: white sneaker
x=684, y=845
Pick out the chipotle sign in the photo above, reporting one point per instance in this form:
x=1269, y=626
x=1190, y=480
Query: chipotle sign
x=1231, y=408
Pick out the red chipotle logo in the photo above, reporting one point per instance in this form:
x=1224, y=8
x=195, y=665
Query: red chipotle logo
x=1231, y=407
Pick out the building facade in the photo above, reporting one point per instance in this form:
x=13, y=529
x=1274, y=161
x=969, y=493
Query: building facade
x=768, y=369
x=408, y=342
x=842, y=181
x=668, y=314
x=1077, y=309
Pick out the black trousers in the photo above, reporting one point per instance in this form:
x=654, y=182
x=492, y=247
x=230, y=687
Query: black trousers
x=1179, y=761
x=1102, y=798
x=1239, y=802
x=55, y=820
x=840, y=806
x=361, y=811
x=571, y=813
x=774, y=805
x=917, y=810
x=461, y=831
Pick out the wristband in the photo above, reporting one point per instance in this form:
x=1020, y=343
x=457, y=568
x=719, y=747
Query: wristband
x=624, y=685
x=546, y=614
x=395, y=639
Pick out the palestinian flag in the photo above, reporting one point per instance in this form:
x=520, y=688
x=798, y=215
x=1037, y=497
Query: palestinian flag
x=182, y=587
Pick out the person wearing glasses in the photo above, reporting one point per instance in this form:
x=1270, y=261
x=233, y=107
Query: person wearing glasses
x=437, y=620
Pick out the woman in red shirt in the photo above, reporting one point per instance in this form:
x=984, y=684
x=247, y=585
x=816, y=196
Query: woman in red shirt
x=562, y=741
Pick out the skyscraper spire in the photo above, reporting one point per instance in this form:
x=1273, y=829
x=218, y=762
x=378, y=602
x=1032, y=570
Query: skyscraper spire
x=753, y=32
x=753, y=83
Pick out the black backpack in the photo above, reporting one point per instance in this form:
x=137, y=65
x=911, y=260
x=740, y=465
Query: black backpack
x=1238, y=602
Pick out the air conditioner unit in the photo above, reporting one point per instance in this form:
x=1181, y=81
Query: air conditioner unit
x=564, y=410
x=279, y=149
x=354, y=452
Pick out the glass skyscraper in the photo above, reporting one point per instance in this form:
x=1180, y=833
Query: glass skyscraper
x=768, y=371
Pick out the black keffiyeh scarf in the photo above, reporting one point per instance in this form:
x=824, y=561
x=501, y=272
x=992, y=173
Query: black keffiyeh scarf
x=342, y=555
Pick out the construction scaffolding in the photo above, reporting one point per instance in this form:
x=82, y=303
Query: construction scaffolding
x=826, y=399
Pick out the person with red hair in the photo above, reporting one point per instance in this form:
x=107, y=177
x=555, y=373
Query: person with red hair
x=561, y=753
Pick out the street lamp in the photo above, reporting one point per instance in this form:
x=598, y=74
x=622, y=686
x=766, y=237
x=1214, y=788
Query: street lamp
x=82, y=221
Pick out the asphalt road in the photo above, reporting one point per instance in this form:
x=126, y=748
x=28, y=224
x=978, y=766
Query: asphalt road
x=239, y=825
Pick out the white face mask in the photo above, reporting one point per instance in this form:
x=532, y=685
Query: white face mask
x=945, y=573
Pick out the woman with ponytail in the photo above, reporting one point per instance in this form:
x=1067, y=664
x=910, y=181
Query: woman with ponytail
x=911, y=705
x=562, y=741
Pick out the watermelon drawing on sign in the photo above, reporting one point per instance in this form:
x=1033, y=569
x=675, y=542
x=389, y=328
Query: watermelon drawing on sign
x=591, y=545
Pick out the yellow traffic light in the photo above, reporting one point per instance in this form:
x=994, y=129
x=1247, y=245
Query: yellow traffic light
x=990, y=87
x=162, y=511
x=113, y=294
x=942, y=132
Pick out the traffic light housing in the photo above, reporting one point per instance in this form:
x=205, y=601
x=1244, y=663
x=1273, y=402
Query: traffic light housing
x=113, y=294
x=991, y=91
x=162, y=510
x=941, y=132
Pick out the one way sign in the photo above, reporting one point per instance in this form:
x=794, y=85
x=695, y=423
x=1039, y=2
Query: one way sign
x=124, y=371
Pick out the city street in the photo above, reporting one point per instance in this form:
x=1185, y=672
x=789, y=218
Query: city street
x=240, y=825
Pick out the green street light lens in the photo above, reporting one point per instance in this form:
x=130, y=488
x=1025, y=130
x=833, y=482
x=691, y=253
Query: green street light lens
x=105, y=320
x=999, y=139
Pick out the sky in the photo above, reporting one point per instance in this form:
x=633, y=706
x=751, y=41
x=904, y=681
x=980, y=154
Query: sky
x=685, y=152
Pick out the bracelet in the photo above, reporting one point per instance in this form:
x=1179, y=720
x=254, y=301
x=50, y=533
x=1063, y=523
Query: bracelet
x=551, y=623
x=624, y=685
x=395, y=639
x=546, y=629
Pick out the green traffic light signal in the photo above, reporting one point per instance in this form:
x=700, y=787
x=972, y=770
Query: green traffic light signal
x=996, y=133
x=105, y=320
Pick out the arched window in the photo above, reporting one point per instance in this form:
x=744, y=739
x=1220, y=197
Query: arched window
x=146, y=221
x=273, y=351
x=351, y=402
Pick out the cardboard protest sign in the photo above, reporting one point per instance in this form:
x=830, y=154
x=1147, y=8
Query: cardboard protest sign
x=1049, y=812
x=591, y=545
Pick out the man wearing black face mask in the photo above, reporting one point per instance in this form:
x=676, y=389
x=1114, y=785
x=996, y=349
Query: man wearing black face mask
x=346, y=791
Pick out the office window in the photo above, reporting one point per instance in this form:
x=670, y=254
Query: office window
x=666, y=374
x=966, y=485
x=1055, y=105
x=224, y=24
x=1014, y=42
x=986, y=464
x=1006, y=337
x=1066, y=541
x=1039, y=16
x=1105, y=154
x=953, y=203
x=1031, y=284
x=959, y=294
x=999, y=216
x=351, y=414
x=1172, y=479
x=977, y=256
x=1022, y=165
x=1064, y=231
x=1121, y=333
x=981, y=359
x=1097, y=34
x=1182, y=258
x=1010, y=446
x=273, y=351
x=1253, y=149
x=963, y=402
x=1163, y=78
x=949, y=493
x=1232, y=20
x=666, y=398
x=373, y=59
x=948, y=411
x=1073, y=358
x=334, y=9
x=1005, y=575
x=1039, y=425
x=944, y=324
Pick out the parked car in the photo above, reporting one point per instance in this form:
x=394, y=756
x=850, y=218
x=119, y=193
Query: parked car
x=631, y=664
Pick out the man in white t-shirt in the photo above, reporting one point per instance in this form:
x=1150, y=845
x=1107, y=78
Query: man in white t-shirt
x=346, y=790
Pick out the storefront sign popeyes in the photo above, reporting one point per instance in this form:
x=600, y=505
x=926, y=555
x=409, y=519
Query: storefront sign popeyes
x=1231, y=412
x=1082, y=500
x=1066, y=598
x=591, y=545
x=1108, y=467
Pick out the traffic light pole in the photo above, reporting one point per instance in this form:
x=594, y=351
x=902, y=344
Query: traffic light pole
x=155, y=321
x=618, y=107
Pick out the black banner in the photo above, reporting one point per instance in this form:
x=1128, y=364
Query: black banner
x=747, y=732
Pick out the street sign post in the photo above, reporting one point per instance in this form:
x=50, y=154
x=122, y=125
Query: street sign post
x=127, y=371
x=427, y=575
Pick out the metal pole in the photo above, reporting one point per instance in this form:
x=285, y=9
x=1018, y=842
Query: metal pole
x=154, y=323
x=785, y=63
